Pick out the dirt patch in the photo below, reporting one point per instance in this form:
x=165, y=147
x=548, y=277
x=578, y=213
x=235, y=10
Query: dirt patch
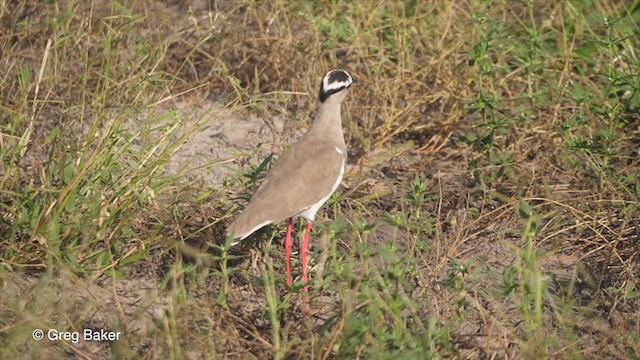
x=221, y=137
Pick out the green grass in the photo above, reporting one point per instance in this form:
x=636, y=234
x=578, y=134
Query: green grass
x=491, y=200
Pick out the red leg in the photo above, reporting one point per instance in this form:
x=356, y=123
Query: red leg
x=288, y=244
x=305, y=274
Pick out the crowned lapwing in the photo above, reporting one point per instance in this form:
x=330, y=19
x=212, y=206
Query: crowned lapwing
x=305, y=176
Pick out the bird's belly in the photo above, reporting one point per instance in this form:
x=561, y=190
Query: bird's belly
x=310, y=212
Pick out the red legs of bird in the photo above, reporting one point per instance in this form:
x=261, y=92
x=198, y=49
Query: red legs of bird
x=288, y=244
x=305, y=274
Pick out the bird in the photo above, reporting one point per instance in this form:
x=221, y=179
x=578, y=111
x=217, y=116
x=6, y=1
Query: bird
x=304, y=177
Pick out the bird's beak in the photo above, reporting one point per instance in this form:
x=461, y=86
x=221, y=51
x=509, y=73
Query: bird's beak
x=358, y=79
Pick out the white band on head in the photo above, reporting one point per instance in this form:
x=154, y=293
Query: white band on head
x=337, y=84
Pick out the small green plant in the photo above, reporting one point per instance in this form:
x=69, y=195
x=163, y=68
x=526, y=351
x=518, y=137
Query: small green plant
x=222, y=259
x=457, y=275
x=493, y=126
x=273, y=307
x=531, y=286
x=380, y=321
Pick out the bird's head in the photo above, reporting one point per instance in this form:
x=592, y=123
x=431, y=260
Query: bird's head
x=334, y=85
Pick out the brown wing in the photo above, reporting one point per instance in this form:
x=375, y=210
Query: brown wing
x=300, y=178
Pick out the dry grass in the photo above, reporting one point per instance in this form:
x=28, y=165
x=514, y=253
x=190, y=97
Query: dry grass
x=490, y=208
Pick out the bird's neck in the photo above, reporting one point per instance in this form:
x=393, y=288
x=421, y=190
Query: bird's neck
x=328, y=122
